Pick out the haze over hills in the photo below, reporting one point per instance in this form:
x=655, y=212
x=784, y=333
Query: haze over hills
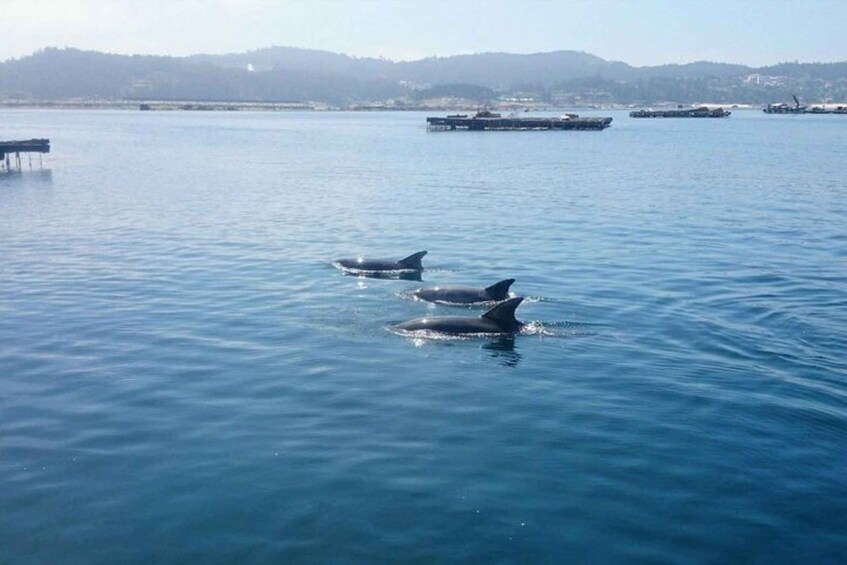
x=286, y=74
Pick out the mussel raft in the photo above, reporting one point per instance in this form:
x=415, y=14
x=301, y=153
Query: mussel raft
x=489, y=121
x=702, y=112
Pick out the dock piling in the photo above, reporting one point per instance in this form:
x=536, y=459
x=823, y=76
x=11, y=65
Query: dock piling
x=29, y=146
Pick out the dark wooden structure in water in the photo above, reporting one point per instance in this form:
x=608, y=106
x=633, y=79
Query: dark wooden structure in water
x=838, y=110
x=29, y=146
x=702, y=112
x=783, y=108
x=487, y=121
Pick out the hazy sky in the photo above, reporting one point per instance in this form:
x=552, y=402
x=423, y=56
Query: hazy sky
x=640, y=32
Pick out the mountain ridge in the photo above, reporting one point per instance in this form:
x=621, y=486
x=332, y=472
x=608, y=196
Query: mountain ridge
x=295, y=74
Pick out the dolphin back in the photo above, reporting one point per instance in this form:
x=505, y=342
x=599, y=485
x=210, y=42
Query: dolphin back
x=413, y=261
x=500, y=290
x=504, y=313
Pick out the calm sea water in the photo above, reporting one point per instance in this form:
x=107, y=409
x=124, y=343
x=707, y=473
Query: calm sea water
x=185, y=378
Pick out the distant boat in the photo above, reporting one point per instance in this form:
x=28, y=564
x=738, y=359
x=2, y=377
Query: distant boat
x=783, y=108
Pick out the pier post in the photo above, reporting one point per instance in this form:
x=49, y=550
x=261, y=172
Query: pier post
x=28, y=146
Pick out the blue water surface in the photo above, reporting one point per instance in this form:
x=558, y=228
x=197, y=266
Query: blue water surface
x=186, y=378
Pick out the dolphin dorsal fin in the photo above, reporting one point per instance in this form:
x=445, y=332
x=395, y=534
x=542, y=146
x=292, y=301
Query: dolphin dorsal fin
x=504, y=313
x=413, y=261
x=500, y=290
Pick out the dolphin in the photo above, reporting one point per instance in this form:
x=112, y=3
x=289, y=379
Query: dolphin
x=410, y=263
x=498, y=320
x=465, y=294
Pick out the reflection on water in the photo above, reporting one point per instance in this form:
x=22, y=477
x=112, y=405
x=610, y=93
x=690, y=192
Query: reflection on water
x=503, y=349
x=391, y=275
x=39, y=175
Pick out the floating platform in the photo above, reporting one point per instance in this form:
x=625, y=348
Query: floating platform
x=682, y=113
x=9, y=148
x=489, y=121
x=784, y=109
x=839, y=110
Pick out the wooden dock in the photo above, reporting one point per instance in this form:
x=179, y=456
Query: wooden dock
x=488, y=121
x=27, y=147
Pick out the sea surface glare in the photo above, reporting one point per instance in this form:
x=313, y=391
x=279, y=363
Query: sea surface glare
x=186, y=378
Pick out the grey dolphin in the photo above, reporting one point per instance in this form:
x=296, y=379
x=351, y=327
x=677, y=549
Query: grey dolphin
x=465, y=294
x=498, y=320
x=410, y=263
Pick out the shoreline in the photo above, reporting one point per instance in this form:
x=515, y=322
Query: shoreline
x=235, y=106
x=240, y=106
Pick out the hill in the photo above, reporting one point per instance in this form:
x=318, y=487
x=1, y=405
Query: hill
x=286, y=74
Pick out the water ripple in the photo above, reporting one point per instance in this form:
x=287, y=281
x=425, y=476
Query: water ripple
x=186, y=376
